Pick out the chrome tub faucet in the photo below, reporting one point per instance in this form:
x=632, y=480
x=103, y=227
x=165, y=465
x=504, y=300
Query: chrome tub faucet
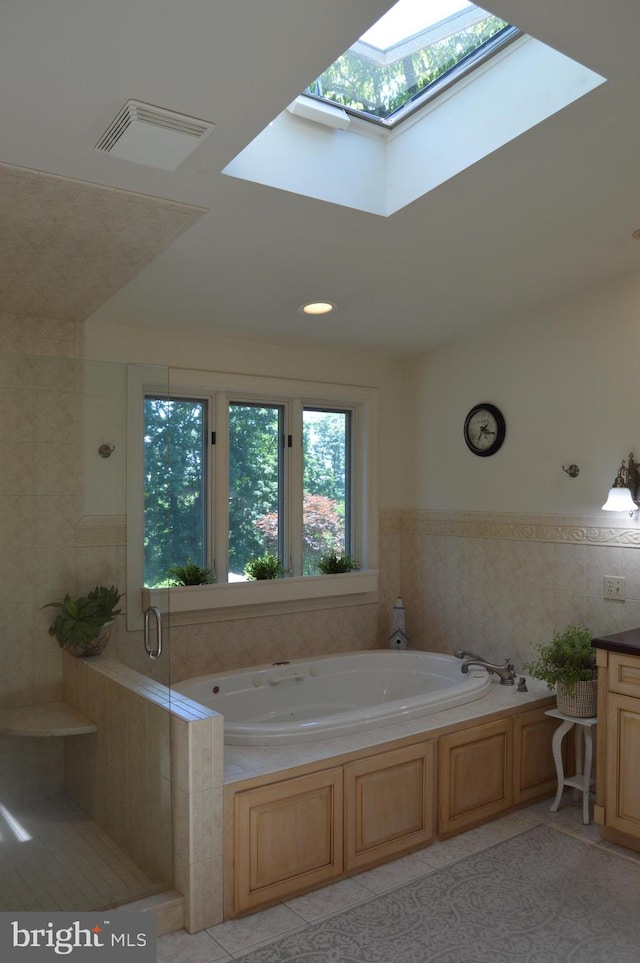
x=506, y=671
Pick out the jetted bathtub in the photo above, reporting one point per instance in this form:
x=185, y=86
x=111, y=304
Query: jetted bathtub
x=332, y=695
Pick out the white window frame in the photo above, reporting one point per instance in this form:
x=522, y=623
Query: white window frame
x=230, y=599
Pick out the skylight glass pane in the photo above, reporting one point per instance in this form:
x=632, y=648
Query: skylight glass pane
x=410, y=48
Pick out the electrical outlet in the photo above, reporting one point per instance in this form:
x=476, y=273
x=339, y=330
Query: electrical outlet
x=614, y=587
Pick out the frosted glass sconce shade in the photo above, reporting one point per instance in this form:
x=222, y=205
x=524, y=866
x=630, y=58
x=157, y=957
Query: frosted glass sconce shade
x=619, y=500
x=624, y=493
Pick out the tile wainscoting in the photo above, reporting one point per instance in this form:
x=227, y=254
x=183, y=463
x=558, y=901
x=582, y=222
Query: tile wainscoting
x=500, y=583
x=497, y=582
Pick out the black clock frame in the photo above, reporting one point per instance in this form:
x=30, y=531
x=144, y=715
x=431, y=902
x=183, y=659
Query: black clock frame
x=501, y=430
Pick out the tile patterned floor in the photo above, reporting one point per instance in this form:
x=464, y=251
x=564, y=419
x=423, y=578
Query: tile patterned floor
x=52, y=856
x=237, y=938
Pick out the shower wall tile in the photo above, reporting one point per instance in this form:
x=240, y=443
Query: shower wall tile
x=18, y=415
x=128, y=762
x=15, y=560
x=54, y=518
x=120, y=775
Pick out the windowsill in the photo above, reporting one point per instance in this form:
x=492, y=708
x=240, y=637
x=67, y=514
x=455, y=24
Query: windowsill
x=311, y=589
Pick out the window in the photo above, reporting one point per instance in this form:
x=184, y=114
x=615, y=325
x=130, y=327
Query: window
x=408, y=52
x=234, y=468
x=326, y=505
x=256, y=491
x=175, y=474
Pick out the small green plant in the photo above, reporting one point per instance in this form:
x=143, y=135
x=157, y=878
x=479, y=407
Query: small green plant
x=333, y=564
x=190, y=574
x=79, y=620
x=569, y=658
x=266, y=566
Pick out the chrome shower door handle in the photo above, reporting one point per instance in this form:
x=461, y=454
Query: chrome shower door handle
x=157, y=652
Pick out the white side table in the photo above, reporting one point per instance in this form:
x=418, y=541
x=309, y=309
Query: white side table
x=582, y=779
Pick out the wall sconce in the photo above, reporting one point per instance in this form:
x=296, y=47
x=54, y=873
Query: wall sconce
x=623, y=496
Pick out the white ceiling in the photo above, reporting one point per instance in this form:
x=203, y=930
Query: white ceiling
x=544, y=216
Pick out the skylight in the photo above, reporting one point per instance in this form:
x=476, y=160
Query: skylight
x=416, y=46
x=334, y=151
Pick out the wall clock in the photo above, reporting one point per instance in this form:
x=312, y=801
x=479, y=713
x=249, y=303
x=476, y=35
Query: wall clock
x=484, y=429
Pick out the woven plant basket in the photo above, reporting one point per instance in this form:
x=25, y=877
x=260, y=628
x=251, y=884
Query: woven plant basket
x=581, y=702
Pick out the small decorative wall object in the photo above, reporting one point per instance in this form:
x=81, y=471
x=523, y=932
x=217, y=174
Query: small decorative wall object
x=399, y=638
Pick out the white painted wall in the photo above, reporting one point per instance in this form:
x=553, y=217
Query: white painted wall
x=121, y=344
x=567, y=379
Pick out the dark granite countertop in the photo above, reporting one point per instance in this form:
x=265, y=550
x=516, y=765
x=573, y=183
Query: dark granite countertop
x=627, y=642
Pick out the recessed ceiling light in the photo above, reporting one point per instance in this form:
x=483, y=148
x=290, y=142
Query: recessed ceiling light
x=317, y=307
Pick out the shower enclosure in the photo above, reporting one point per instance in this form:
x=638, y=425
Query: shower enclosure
x=64, y=522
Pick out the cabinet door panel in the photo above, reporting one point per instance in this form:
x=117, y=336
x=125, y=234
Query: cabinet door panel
x=389, y=804
x=476, y=776
x=287, y=838
x=623, y=774
x=534, y=768
x=624, y=674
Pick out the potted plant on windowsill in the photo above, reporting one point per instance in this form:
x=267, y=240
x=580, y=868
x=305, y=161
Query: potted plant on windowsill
x=265, y=567
x=333, y=564
x=568, y=662
x=83, y=625
x=190, y=574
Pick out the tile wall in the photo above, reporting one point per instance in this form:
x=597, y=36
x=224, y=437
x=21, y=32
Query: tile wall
x=65, y=247
x=151, y=777
x=500, y=584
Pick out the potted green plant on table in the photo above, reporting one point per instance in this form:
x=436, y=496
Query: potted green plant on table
x=568, y=662
x=331, y=563
x=83, y=625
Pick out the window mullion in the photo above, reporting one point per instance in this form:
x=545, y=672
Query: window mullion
x=354, y=530
x=294, y=488
x=219, y=488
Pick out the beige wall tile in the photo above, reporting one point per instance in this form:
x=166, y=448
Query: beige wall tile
x=212, y=894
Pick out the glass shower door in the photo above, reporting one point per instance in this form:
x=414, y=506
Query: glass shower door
x=85, y=819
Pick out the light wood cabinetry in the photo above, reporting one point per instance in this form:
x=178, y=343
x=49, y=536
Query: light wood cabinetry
x=618, y=751
x=624, y=674
x=475, y=775
x=287, y=835
x=622, y=798
x=389, y=804
x=287, y=838
x=534, y=772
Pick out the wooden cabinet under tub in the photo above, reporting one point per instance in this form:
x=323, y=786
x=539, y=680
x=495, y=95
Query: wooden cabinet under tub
x=534, y=771
x=389, y=804
x=486, y=769
x=289, y=833
x=287, y=837
x=475, y=775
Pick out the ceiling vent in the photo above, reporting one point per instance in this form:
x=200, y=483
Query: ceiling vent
x=153, y=136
